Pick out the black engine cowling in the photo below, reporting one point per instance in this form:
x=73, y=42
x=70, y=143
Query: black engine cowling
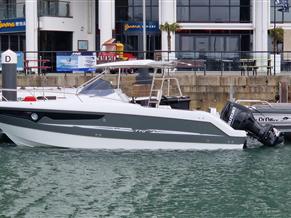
x=241, y=118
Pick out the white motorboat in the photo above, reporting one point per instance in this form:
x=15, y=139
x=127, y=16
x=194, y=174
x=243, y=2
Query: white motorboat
x=92, y=121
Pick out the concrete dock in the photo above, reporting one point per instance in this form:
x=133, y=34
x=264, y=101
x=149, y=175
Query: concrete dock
x=204, y=90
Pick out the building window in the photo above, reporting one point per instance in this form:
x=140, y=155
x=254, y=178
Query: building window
x=131, y=10
x=129, y=26
x=4, y=42
x=15, y=42
x=9, y=9
x=213, y=46
x=281, y=16
x=54, y=8
x=213, y=41
x=216, y=43
x=214, y=11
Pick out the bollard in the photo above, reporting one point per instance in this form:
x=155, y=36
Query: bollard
x=283, y=91
x=9, y=69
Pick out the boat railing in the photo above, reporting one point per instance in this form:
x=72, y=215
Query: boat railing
x=156, y=94
x=43, y=94
x=159, y=85
x=169, y=81
x=36, y=92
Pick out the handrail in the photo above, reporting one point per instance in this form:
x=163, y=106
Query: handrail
x=41, y=89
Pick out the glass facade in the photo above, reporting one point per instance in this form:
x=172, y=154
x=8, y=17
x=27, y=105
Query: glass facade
x=130, y=13
x=213, y=41
x=54, y=8
x=214, y=11
x=218, y=49
x=281, y=16
x=15, y=42
x=132, y=10
x=9, y=9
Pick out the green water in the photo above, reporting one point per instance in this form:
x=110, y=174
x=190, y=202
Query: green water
x=70, y=183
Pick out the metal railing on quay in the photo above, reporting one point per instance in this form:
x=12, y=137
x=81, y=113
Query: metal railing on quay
x=244, y=63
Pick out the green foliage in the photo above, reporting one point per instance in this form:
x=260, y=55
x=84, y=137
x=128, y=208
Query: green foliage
x=277, y=34
x=169, y=28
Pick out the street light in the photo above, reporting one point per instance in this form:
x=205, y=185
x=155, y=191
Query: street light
x=144, y=29
x=274, y=45
x=283, y=6
x=144, y=77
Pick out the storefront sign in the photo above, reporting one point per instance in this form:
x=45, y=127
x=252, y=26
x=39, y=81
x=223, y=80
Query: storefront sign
x=138, y=27
x=20, y=61
x=12, y=25
x=76, y=61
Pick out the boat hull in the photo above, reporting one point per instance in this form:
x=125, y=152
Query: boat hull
x=91, y=130
x=31, y=138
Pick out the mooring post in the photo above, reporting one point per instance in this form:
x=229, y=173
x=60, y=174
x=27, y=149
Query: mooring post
x=9, y=70
x=283, y=91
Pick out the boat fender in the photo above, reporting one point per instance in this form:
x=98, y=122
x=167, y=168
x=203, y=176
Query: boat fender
x=29, y=98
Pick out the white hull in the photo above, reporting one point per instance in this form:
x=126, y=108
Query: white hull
x=37, y=138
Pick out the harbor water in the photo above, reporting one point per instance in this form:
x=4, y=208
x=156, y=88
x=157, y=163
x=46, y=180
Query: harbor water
x=77, y=183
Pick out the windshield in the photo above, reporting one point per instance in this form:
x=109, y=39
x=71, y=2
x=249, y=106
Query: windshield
x=98, y=87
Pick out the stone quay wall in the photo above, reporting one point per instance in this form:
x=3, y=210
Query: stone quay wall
x=204, y=91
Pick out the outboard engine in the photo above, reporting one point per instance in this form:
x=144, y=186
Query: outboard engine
x=241, y=118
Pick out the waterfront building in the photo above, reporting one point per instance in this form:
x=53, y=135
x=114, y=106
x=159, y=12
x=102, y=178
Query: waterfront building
x=206, y=25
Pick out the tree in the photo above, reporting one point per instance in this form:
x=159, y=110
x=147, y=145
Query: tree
x=169, y=28
x=277, y=35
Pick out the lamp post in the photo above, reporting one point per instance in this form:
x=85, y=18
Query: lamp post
x=274, y=45
x=144, y=29
x=144, y=77
x=283, y=6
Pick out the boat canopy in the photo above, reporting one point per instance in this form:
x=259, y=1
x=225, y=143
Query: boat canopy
x=136, y=64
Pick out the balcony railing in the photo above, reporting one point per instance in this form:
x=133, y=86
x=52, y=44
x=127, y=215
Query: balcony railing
x=54, y=8
x=11, y=11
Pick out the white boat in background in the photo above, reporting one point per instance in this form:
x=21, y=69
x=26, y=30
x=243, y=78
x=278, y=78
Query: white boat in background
x=275, y=114
x=98, y=121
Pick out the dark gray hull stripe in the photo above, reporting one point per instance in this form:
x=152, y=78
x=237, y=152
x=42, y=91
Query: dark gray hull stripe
x=201, y=132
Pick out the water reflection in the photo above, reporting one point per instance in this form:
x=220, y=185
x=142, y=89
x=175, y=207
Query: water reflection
x=61, y=183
